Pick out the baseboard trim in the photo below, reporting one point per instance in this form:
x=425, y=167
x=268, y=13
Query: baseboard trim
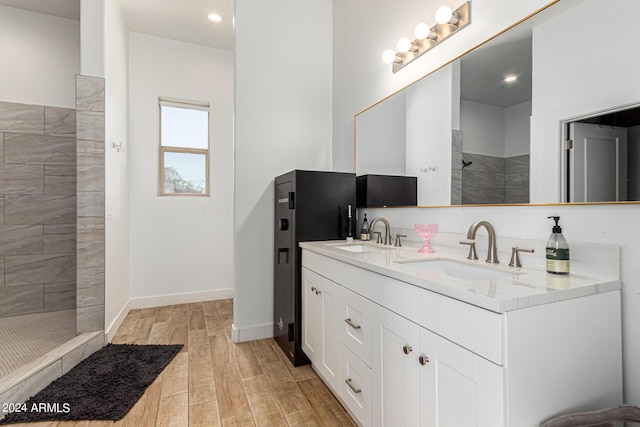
x=113, y=327
x=162, y=300
x=250, y=333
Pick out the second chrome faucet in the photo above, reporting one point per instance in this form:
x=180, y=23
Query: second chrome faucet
x=492, y=251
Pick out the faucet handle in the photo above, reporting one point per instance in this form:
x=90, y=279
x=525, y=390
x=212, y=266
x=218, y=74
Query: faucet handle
x=515, y=258
x=379, y=234
x=398, y=241
x=472, y=248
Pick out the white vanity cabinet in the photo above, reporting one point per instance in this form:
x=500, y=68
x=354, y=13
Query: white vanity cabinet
x=421, y=379
x=396, y=353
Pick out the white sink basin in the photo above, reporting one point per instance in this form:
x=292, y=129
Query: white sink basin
x=458, y=270
x=360, y=247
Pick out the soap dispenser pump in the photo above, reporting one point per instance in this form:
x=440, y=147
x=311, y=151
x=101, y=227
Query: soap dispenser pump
x=557, y=250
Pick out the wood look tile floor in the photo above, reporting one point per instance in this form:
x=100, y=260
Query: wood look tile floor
x=214, y=382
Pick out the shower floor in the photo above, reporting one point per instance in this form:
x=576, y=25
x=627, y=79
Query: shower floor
x=25, y=338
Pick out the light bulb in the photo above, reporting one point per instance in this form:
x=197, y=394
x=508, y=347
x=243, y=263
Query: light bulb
x=510, y=78
x=444, y=14
x=214, y=17
x=388, y=56
x=422, y=31
x=404, y=44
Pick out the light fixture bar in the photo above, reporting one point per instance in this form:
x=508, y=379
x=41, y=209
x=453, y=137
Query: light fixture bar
x=443, y=32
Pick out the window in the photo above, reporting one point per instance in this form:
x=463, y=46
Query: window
x=184, y=148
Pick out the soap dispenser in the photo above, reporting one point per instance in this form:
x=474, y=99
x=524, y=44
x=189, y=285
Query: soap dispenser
x=557, y=251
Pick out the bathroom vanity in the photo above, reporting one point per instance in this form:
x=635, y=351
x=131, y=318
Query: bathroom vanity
x=407, y=339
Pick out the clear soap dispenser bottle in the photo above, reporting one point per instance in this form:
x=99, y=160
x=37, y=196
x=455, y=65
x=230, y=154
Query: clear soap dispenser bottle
x=557, y=251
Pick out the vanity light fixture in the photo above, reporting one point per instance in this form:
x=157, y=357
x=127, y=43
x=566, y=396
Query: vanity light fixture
x=214, y=17
x=449, y=22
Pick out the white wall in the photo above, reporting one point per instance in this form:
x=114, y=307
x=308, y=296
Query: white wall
x=178, y=245
x=282, y=122
x=360, y=79
x=484, y=128
x=517, y=129
x=116, y=60
x=38, y=66
x=92, y=37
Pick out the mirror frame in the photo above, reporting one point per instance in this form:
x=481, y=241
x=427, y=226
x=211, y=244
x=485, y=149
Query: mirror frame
x=355, y=148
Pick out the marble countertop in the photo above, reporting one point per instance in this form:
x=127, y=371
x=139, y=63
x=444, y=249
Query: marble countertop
x=501, y=289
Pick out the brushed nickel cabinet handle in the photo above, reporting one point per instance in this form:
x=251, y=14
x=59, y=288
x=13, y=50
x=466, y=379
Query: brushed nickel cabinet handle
x=318, y=292
x=352, y=387
x=423, y=360
x=407, y=349
x=353, y=325
x=313, y=288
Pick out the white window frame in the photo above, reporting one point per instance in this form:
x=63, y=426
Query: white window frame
x=192, y=105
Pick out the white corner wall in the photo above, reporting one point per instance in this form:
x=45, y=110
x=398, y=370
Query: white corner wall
x=282, y=122
x=41, y=57
x=181, y=248
x=116, y=51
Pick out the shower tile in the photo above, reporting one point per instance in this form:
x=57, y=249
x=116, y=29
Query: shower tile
x=1, y=147
x=20, y=300
x=89, y=93
x=86, y=146
x=90, y=203
x=60, y=180
x=91, y=223
x=59, y=121
x=59, y=238
x=1, y=272
x=1, y=209
x=518, y=163
x=23, y=270
x=456, y=140
x=21, y=118
x=20, y=239
x=90, y=172
x=43, y=209
x=90, y=289
x=91, y=248
x=59, y=296
x=90, y=126
x=90, y=319
x=21, y=179
x=39, y=149
x=456, y=160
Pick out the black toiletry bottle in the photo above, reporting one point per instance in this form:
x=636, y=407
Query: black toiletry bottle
x=557, y=251
x=364, y=230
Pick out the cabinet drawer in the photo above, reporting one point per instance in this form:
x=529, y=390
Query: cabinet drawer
x=355, y=386
x=355, y=324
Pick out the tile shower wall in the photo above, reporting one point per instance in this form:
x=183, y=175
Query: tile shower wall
x=90, y=190
x=37, y=209
x=495, y=180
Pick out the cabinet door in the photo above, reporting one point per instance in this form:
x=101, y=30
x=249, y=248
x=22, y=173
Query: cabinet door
x=311, y=315
x=355, y=386
x=394, y=343
x=470, y=389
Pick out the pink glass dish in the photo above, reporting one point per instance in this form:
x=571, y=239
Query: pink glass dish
x=426, y=231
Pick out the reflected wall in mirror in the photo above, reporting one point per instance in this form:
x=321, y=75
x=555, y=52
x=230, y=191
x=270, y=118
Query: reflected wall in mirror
x=482, y=128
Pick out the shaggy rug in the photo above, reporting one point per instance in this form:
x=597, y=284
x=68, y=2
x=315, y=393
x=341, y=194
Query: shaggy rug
x=104, y=386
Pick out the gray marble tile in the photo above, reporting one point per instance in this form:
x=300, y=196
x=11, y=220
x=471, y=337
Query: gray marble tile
x=456, y=160
x=473, y=195
x=20, y=239
x=43, y=209
x=90, y=223
x=518, y=163
x=456, y=140
x=60, y=180
x=91, y=172
x=39, y=149
x=90, y=318
x=36, y=382
x=1, y=272
x=495, y=164
x=21, y=118
x=478, y=178
x=1, y=209
x=18, y=300
x=59, y=238
x=456, y=187
x=89, y=93
x=90, y=203
x=78, y=354
x=517, y=195
x=21, y=179
x=90, y=288
x=59, y=121
x=515, y=180
x=59, y=296
x=86, y=146
x=20, y=270
x=1, y=147
x=91, y=250
x=477, y=162
x=90, y=126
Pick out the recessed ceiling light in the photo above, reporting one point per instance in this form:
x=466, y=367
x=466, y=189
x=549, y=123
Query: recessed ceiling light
x=510, y=78
x=214, y=17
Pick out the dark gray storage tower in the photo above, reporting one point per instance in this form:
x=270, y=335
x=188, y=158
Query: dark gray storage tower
x=309, y=205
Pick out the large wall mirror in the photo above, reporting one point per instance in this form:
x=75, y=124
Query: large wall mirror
x=491, y=127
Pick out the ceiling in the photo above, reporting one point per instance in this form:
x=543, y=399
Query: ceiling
x=184, y=20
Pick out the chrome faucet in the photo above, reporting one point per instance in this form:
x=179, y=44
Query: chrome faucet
x=387, y=230
x=492, y=252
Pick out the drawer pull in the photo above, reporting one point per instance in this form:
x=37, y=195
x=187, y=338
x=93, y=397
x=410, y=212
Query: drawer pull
x=353, y=325
x=318, y=292
x=313, y=288
x=407, y=349
x=423, y=360
x=352, y=387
